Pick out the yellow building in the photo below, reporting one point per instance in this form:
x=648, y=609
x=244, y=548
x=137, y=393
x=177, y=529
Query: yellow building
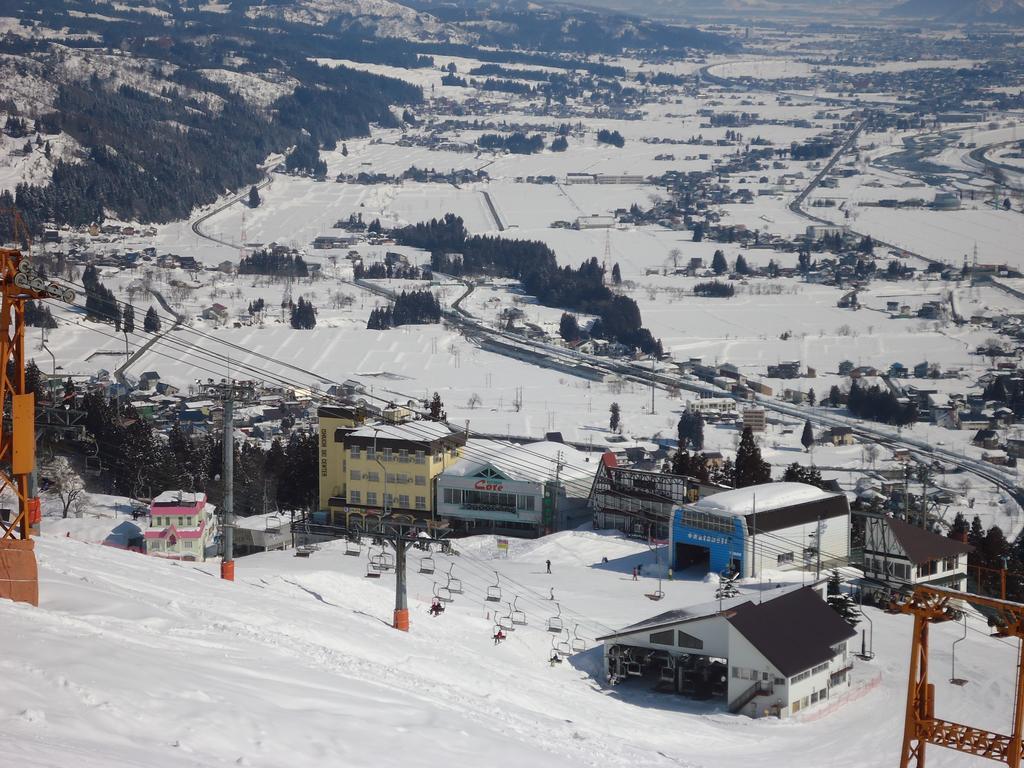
x=382, y=467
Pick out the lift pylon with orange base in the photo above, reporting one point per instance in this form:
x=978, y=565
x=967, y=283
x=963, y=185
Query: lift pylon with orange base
x=19, y=577
x=931, y=605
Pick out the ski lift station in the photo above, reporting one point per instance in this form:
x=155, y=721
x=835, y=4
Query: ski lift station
x=747, y=531
x=775, y=657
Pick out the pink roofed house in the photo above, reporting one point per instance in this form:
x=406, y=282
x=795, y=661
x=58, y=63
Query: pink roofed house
x=182, y=526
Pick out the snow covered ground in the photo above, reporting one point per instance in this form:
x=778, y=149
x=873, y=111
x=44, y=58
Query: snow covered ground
x=135, y=661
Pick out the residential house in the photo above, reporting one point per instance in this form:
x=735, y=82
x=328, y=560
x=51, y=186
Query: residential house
x=182, y=526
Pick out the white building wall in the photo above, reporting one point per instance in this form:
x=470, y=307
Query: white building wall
x=745, y=663
x=763, y=550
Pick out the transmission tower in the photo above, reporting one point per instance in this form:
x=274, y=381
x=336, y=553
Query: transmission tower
x=19, y=576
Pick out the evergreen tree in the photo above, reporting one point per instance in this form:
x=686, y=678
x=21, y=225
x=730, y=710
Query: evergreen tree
x=303, y=315
x=841, y=602
x=751, y=469
x=254, y=197
x=835, y=396
x=437, y=412
x=151, y=323
x=958, y=529
x=807, y=438
x=128, y=319
x=811, y=397
x=795, y=473
x=613, y=420
x=718, y=263
x=616, y=274
x=568, y=327
x=742, y=268
x=976, y=535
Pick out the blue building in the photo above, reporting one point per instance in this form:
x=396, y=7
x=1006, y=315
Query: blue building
x=775, y=526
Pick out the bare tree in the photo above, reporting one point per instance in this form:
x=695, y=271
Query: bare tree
x=68, y=485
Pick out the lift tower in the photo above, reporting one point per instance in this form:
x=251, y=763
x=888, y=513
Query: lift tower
x=19, y=282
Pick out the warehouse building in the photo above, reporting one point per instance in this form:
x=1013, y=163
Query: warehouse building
x=777, y=657
x=775, y=526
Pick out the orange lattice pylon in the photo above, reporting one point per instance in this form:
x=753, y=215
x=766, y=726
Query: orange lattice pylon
x=19, y=580
x=931, y=605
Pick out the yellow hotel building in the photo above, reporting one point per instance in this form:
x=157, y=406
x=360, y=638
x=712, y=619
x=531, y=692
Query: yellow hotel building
x=382, y=467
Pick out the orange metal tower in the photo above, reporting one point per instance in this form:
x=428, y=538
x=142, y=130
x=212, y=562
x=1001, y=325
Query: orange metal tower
x=19, y=580
x=930, y=605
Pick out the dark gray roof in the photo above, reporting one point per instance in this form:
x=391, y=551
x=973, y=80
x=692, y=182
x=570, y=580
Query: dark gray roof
x=922, y=545
x=794, y=631
x=680, y=616
x=824, y=508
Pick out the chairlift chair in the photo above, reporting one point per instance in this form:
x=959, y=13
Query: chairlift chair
x=494, y=591
x=555, y=622
x=505, y=622
x=952, y=675
x=353, y=547
x=426, y=564
x=578, y=643
x=518, y=617
x=563, y=646
x=656, y=594
x=387, y=560
x=442, y=593
x=372, y=569
x=668, y=672
x=454, y=585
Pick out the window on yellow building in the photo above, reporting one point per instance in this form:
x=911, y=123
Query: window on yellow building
x=371, y=498
x=421, y=457
x=421, y=480
x=353, y=497
x=421, y=502
x=355, y=474
x=403, y=501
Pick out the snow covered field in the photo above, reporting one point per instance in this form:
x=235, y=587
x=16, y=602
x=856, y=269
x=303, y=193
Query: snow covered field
x=134, y=661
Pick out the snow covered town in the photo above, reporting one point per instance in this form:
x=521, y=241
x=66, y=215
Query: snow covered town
x=598, y=384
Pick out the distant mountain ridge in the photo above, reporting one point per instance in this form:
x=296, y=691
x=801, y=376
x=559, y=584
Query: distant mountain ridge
x=963, y=10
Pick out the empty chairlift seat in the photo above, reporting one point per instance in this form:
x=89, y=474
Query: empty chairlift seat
x=518, y=617
x=454, y=585
x=555, y=622
x=494, y=591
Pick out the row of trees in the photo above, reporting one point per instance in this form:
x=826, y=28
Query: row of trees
x=748, y=469
x=714, y=289
x=268, y=262
x=517, y=143
x=878, y=405
x=533, y=263
x=412, y=308
x=139, y=462
x=614, y=138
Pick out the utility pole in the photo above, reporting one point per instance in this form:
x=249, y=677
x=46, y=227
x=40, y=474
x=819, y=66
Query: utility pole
x=227, y=391
x=817, y=547
x=227, y=563
x=554, y=496
x=753, y=540
x=652, y=383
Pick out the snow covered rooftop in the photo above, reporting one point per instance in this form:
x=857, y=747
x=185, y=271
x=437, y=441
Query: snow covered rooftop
x=179, y=499
x=768, y=496
x=533, y=461
x=413, y=430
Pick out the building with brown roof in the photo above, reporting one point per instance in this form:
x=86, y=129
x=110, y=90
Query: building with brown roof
x=779, y=656
x=899, y=555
